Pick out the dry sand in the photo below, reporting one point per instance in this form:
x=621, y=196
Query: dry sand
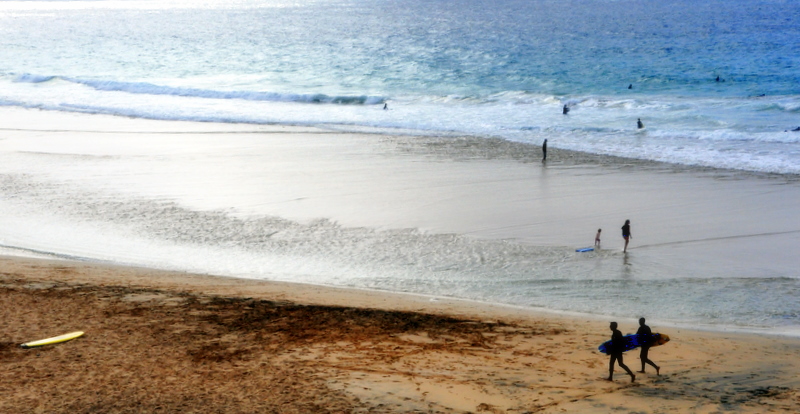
x=173, y=342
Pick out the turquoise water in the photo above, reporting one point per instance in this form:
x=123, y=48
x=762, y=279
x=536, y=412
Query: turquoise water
x=502, y=69
x=486, y=69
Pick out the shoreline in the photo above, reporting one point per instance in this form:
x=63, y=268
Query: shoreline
x=198, y=342
x=496, y=307
x=322, y=295
x=490, y=147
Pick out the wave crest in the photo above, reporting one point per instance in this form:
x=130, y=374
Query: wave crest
x=146, y=88
x=153, y=89
x=31, y=78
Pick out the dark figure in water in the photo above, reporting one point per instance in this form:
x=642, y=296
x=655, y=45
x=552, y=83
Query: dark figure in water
x=645, y=330
x=639, y=123
x=615, y=351
x=626, y=234
x=630, y=86
x=565, y=110
x=386, y=107
x=544, y=151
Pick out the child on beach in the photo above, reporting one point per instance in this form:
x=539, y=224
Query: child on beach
x=597, y=238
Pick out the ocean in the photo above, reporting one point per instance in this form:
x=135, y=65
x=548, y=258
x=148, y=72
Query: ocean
x=716, y=84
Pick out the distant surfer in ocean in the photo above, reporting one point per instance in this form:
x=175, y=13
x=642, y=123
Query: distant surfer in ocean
x=639, y=123
x=645, y=330
x=385, y=106
x=626, y=234
x=597, y=238
x=544, y=151
x=617, y=345
x=565, y=110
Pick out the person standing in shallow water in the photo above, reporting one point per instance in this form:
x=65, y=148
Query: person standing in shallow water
x=639, y=123
x=544, y=151
x=615, y=352
x=626, y=234
x=645, y=330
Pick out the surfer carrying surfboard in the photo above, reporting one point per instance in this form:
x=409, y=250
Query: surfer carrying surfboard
x=626, y=234
x=615, y=352
x=645, y=330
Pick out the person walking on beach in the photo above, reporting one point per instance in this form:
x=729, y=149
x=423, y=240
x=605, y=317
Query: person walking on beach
x=645, y=330
x=626, y=234
x=544, y=151
x=597, y=238
x=617, y=347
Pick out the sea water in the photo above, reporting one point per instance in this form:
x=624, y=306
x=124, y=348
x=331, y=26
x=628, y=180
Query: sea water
x=503, y=69
x=716, y=84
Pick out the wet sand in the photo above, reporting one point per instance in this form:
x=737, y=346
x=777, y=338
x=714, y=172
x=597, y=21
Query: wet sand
x=690, y=221
x=174, y=342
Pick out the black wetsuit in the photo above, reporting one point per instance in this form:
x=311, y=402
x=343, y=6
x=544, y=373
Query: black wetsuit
x=645, y=330
x=617, y=347
x=544, y=150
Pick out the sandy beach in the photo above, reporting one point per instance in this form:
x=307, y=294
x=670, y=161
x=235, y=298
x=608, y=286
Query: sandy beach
x=174, y=342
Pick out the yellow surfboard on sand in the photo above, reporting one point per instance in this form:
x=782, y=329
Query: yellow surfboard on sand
x=53, y=340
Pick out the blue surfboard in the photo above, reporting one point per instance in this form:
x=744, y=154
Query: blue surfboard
x=632, y=341
x=635, y=340
x=585, y=249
